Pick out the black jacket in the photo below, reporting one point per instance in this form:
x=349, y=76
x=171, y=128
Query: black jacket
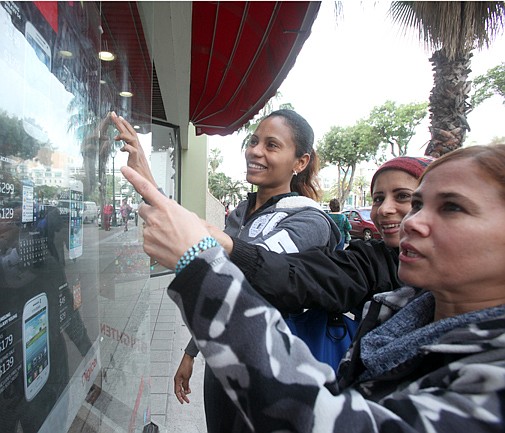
x=336, y=281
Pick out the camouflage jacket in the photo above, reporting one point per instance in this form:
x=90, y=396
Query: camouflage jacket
x=278, y=386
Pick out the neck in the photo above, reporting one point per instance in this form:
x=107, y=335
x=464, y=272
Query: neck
x=450, y=306
x=265, y=194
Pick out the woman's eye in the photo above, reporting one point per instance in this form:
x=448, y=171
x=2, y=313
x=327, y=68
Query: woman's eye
x=378, y=199
x=416, y=205
x=403, y=196
x=273, y=145
x=252, y=142
x=452, y=207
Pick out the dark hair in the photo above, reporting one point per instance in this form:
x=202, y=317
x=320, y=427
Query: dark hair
x=306, y=182
x=490, y=159
x=334, y=205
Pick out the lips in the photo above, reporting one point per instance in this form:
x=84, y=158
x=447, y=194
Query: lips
x=407, y=251
x=390, y=228
x=255, y=166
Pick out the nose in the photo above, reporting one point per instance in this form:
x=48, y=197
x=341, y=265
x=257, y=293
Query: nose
x=387, y=207
x=416, y=222
x=256, y=150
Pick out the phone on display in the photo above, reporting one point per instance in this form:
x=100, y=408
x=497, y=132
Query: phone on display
x=36, y=360
x=27, y=215
x=76, y=207
x=39, y=44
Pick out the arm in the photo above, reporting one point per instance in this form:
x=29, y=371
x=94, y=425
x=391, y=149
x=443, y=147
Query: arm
x=334, y=280
x=278, y=385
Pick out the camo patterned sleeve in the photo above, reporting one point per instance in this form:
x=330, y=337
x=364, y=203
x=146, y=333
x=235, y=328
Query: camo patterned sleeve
x=277, y=384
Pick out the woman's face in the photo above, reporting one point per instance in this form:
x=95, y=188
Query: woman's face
x=453, y=240
x=271, y=156
x=391, y=202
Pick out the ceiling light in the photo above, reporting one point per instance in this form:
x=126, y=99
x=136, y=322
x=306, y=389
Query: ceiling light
x=126, y=94
x=136, y=127
x=106, y=56
x=103, y=82
x=66, y=54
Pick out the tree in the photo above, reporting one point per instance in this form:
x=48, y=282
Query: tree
x=346, y=147
x=453, y=29
x=16, y=142
x=225, y=189
x=396, y=124
x=215, y=160
x=489, y=84
x=221, y=186
x=360, y=188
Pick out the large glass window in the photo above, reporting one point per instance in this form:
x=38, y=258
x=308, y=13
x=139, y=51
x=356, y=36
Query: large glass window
x=74, y=310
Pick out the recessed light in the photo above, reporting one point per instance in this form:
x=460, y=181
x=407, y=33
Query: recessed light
x=136, y=127
x=66, y=54
x=103, y=82
x=106, y=56
x=126, y=94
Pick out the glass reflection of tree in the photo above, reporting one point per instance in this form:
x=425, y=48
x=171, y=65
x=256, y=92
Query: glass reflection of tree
x=82, y=122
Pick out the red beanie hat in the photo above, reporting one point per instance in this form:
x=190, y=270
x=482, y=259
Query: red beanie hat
x=412, y=165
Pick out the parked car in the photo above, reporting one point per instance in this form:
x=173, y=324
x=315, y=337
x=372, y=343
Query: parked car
x=362, y=225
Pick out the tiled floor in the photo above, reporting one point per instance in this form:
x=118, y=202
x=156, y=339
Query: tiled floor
x=169, y=337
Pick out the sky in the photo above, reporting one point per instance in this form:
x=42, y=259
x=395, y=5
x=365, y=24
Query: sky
x=348, y=66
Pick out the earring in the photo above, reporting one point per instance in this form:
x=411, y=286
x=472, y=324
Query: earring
x=295, y=173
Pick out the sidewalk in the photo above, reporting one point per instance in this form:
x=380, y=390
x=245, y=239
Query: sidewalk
x=169, y=338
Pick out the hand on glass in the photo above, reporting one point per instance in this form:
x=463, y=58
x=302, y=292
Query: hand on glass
x=170, y=230
x=136, y=156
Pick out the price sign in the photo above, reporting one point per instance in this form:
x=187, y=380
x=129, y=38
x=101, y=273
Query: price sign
x=11, y=350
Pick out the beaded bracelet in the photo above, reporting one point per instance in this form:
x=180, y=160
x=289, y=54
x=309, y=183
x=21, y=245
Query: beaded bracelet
x=192, y=252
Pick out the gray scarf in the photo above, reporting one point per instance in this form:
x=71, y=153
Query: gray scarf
x=403, y=336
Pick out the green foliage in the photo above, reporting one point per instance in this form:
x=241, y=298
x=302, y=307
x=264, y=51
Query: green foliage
x=46, y=192
x=223, y=187
x=489, y=84
x=15, y=140
x=215, y=160
x=396, y=124
x=346, y=148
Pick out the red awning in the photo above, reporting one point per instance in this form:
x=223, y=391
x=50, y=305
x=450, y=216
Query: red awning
x=241, y=53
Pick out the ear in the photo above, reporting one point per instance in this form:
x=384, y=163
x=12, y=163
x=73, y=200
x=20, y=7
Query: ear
x=301, y=163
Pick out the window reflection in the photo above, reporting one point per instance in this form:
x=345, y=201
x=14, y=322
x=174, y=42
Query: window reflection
x=74, y=316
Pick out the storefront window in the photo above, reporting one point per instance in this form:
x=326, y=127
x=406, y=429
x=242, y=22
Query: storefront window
x=74, y=316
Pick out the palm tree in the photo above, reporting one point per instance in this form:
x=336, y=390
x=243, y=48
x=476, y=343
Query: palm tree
x=453, y=29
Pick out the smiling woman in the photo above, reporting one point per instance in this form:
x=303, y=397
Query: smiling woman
x=280, y=217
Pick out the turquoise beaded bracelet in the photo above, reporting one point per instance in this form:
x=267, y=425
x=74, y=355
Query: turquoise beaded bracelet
x=192, y=253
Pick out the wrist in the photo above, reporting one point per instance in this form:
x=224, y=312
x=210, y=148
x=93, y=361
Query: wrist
x=193, y=252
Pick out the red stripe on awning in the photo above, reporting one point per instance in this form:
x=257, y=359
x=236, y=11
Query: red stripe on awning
x=241, y=53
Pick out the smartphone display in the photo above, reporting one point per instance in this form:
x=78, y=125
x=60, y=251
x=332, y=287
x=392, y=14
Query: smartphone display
x=36, y=360
x=75, y=222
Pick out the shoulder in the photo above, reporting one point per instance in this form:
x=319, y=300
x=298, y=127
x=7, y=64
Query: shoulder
x=297, y=201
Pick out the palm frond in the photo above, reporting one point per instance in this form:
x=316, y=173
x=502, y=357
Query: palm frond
x=455, y=26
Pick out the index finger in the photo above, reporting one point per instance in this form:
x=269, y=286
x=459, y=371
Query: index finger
x=145, y=188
